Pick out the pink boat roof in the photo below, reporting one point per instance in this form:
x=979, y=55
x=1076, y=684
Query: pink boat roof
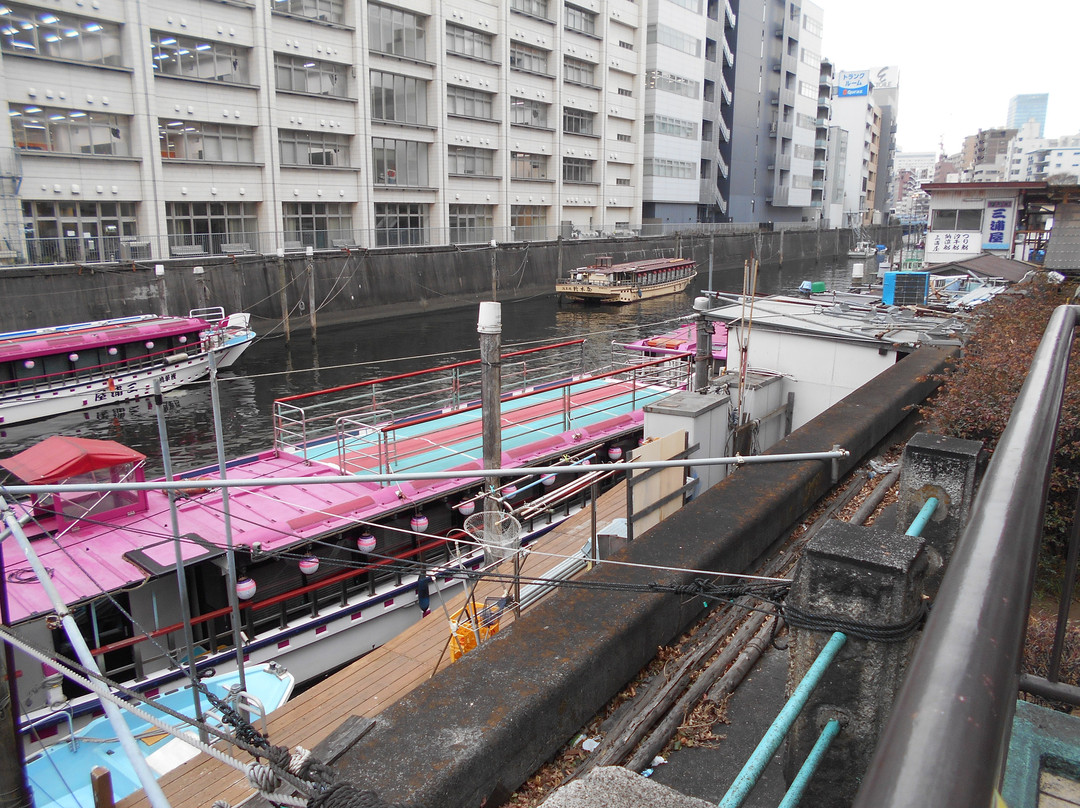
x=680, y=341
x=34, y=344
x=128, y=549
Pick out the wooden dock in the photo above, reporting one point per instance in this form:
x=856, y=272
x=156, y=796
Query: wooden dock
x=378, y=679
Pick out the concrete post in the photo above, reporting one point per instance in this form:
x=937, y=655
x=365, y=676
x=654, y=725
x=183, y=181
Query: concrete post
x=946, y=468
x=873, y=577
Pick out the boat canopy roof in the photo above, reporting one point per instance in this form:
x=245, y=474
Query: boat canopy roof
x=59, y=457
x=640, y=267
x=29, y=344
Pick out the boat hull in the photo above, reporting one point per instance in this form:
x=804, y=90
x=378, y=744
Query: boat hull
x=591, y=293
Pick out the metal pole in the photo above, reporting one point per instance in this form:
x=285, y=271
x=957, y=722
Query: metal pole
x=810, y=765
x=489, y=326
x=14, y=791
x=181, y=574
x=163, y=303
x=494, y=271
x=703, y=356
x=230, y=557
x=309, y=265
x=920, y=521
x=780, y=726
x=123, y=732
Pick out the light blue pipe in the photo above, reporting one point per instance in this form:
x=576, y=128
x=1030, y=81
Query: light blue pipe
x=810, y=765
x=761, y=756
x=920, y=521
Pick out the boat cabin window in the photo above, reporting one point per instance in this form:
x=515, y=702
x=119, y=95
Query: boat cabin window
x=70, y=507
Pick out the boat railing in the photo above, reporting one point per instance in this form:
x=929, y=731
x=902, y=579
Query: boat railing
x=666, y=370
x=212, y=314
x=359, y=440
x=50, y=719
x=312, y=418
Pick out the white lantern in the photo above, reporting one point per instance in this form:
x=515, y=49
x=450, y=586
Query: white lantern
x=366, y=542
x=309, y=565
x=245, y=589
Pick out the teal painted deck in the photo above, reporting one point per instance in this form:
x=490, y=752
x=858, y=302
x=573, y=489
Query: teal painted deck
x=1043, y=769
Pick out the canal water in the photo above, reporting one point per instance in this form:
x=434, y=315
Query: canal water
x=344, y=354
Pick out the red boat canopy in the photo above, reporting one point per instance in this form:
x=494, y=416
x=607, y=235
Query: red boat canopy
x=60, y=457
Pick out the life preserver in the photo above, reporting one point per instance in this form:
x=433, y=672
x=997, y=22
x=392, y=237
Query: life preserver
x=194, y=491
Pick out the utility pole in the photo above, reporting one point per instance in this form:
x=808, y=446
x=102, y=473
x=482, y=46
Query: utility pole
x=494, y=276
x=163, y=303
x=703, y=357
x=283, y=295
x=309, y=256
x=489, y=326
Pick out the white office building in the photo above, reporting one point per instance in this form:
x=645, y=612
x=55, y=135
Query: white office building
x=145, y=128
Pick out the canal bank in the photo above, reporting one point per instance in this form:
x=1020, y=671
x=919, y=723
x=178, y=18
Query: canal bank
x=355, y=284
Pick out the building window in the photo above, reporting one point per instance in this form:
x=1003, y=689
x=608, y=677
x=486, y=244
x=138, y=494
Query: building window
x=201, y=59
x=804, y=121
x=212, y=142
x=535, y=8
x=954, y=219
x=626, y=91
x=528, y=112
x=811, y=25
x=626, y=45
x=471, y=223
x=63, y=231
x=531, y=60
x=321, y=10
x=69, y=131
x=622, y=137
x=579, y=72
x=400, y=223
x=28, y=31
x=211, y=224
x=469, y=103
x=693, y=5
x=399, y=162
x=299, y=148
x=392, y=30
x=297, y=74
x=470, y=160
x=809, y=57
x=670, y=83
x=577, y=170
x=665, y=125
x=524, y=166
x=317, y=224
x=808, y=90
x=578, y=122
x=402, y=99
x=467, y=42
x=677, y=169
x=580, y=20
x=659, y=34
x=622, y=181
x=529, y=222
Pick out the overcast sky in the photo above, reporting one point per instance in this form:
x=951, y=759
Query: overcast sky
x=962, y=60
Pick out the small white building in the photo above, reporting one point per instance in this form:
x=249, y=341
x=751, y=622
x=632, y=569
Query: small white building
x=970, y=218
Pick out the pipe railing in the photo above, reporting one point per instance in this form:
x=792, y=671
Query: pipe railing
x=947, y=738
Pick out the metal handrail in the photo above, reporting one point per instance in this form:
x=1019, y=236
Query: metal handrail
x=947, y=738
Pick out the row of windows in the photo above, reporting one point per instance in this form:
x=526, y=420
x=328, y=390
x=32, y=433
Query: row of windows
x=395, y=162
x=666, y=125
x=322, y=10
x=302, y=75
x=71, y=229
x=671, y=83
x=198, y=58
x=392, y=30
x=678, y=169
x=32, y=31
x=660, y=34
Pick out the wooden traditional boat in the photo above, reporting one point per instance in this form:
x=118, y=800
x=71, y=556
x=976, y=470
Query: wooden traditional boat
x=604, y=282
x=48, y=371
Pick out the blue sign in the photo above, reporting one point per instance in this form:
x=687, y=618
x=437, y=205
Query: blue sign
x=853, y=82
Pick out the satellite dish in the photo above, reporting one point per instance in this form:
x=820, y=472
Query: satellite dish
x=501, y=538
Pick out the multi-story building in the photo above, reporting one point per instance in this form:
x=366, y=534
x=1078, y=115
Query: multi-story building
x=912, y=169
x=777, y=71
x=1032, y=158
x=854, y=110
x=234, y=125
x=886, y=90
x=1029, y=107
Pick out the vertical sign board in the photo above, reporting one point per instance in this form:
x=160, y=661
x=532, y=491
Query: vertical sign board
x=853, y=82
x=999, y=223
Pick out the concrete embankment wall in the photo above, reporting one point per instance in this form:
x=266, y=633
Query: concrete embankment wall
x=481, y=727
x=351, y=286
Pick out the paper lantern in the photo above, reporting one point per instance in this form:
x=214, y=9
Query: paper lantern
x=614, y=453
x=309, y=565
x=509, y=491
x=418, y=523
x=467, y=508
x=150, y=344
x=548, y=479
x=245, y=589
x=29, y=363
x=366, y=542
x=74, y=357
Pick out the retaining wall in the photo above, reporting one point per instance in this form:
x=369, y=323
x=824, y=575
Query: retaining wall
x=481, y=727
x=357, y=285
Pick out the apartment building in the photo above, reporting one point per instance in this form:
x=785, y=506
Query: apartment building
x=143, y=128
x=775, y=127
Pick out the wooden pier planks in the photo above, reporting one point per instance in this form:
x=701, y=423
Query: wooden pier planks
x=376, y=680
